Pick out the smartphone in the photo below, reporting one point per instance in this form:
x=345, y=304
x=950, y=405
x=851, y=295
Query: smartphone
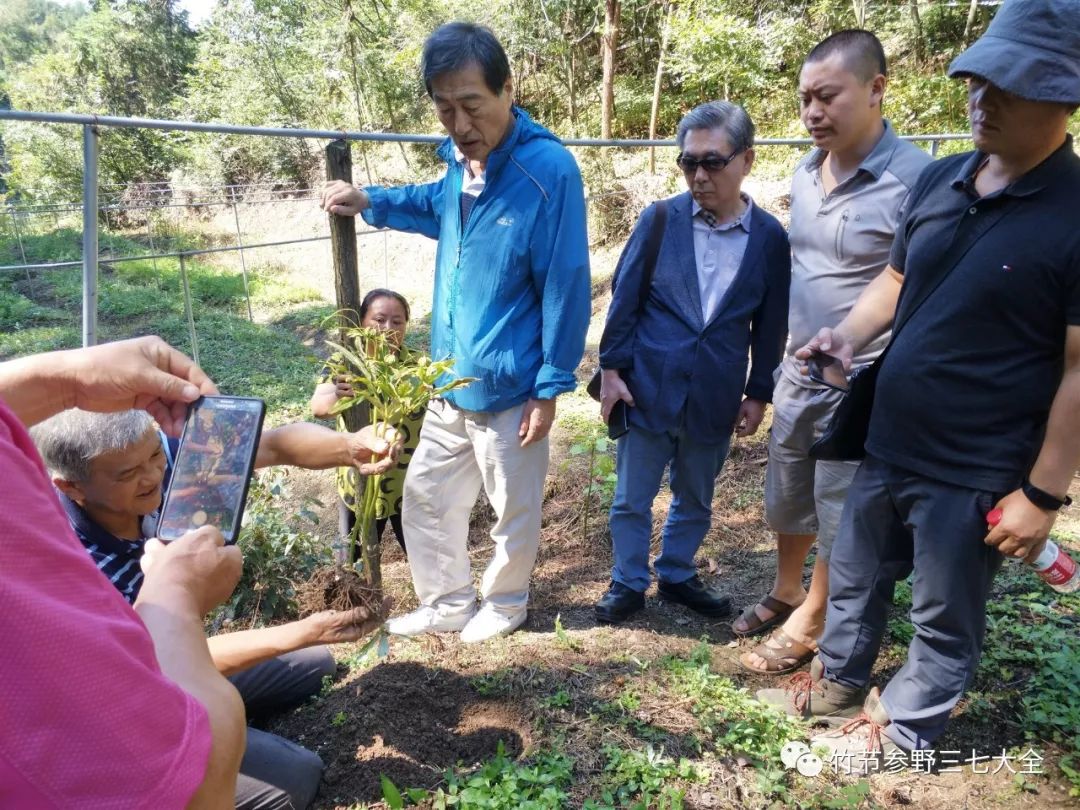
x=619, y=421
x=828, y=371
x=213, y=467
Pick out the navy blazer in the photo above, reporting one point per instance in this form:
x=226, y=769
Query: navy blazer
x=682, y=372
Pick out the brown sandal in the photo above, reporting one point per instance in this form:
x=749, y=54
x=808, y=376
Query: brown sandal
x=788, y=657
x=755, y=624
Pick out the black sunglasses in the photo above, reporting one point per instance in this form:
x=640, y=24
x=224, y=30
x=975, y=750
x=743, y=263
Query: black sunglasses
x=710, y=163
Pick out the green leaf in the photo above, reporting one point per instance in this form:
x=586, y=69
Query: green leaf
x=391, y=795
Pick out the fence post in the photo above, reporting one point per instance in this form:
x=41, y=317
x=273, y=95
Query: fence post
x=188, y=311
x=347, y=289
x=90, y=235
x=934, y=143
x=18, y=236
x=243, y=261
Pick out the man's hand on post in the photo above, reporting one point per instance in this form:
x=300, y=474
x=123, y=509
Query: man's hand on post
x=197, y=571
x=374, y=454
x=612, y=389
x=343, y=199
x=537, y=417
x=751, y=412
x=827, y=341
x=1023, y=528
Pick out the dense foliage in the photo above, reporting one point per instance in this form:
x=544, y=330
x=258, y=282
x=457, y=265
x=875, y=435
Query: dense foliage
x=353, y=64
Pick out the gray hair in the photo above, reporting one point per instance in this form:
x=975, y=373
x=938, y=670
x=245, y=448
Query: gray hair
x=69, y=441
x=725, y=115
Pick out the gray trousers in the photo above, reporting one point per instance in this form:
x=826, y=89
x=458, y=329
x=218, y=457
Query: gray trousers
x=276, y=774
x=897, y=523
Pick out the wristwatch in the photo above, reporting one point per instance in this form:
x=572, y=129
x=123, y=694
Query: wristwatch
x=1043, y=499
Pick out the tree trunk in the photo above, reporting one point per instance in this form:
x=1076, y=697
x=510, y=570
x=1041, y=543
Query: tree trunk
x=973, y=13
x=655, y=112
x=609, y=44
x=859, y=7
x=916, y=23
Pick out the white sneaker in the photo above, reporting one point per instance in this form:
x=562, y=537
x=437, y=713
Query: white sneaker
x=489, y=623
x=427, y=619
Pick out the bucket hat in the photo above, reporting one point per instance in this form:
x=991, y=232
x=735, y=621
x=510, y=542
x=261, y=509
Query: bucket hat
x=1031, y=49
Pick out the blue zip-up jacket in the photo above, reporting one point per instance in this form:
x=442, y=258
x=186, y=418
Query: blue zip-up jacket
x=512, y=293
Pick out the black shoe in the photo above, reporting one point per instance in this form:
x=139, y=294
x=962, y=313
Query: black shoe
x=697, y=596
x=619, y=603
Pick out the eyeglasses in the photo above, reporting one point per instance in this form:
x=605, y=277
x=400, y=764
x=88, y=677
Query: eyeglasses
x=710, y=163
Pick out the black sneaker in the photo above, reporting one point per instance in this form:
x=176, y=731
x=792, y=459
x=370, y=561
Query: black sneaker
x=697, y=596
x=619, y=603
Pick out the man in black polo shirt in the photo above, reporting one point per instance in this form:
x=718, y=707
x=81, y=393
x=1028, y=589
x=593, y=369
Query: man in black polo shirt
x=977, y=403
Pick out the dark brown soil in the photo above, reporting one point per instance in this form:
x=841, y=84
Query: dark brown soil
x=407, y=721
x=336, y=588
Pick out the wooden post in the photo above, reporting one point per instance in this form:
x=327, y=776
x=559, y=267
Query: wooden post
x=343, y=242
x=347, y=290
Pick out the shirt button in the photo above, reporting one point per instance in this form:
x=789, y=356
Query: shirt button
x=973, y=210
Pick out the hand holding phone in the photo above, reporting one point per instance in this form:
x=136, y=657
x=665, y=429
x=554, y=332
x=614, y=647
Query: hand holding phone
x=827, y=370
x=213, y=467
x=618, y=423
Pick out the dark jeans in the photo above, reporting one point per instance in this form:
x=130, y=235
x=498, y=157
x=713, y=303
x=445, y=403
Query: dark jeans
x=897, y=523
x=347, y=519
x=277, y=774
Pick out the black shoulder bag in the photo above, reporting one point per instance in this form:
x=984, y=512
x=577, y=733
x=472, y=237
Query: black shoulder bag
x=844, y=439
x=652, y=252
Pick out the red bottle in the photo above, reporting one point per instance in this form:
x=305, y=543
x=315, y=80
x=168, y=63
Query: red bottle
x=1056, y=568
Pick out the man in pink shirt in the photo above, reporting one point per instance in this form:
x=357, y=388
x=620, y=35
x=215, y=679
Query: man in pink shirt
x=126, y=710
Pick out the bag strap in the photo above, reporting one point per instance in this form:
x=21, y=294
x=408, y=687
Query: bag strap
x=652, y=247
x=653, y=239
x=949, y=261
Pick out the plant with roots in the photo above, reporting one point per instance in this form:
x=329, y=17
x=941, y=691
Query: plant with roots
x=393, y=385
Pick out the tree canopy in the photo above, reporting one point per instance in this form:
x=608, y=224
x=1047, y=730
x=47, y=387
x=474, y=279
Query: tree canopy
x=353, y=64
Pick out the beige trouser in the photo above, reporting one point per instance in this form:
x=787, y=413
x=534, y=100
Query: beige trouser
x=460, y=451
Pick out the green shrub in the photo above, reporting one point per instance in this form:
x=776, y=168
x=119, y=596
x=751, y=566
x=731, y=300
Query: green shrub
x=279, y=551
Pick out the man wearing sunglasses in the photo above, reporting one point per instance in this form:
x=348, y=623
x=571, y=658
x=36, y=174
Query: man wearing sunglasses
x=692, y=298
x=846, y=197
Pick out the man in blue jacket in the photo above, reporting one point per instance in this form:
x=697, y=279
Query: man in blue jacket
x=676, y=351
x=511, y=307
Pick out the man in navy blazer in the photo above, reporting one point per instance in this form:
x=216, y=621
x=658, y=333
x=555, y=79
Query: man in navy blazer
x=678, y=353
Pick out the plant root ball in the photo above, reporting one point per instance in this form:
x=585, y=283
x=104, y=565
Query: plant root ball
x=336, y=588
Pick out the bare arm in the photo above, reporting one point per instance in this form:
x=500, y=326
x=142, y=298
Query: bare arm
x=1024, y=527
x=183, y=581
x=872, y=314
x=144, y=373
x=1060, y=453
x=323, y=400
x=233, y=652
x=315, y=447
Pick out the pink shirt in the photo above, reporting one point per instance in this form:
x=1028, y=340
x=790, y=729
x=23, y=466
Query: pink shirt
x=87, y=720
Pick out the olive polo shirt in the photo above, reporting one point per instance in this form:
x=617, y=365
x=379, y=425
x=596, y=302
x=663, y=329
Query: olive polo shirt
x=840, y=241
x=965, y=391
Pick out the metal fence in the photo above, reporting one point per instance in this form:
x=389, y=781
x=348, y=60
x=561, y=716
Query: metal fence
x=105, y=201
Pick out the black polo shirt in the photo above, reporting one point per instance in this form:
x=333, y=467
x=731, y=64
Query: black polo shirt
x=965, y=390
x=116, y=558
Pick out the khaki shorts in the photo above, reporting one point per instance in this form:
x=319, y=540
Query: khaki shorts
x=804, y=496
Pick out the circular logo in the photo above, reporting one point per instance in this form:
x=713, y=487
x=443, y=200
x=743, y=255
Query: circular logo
x=792, y=751
x=809, y=764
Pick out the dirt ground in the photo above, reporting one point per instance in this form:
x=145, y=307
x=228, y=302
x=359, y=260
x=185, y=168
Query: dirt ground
x=435, y=703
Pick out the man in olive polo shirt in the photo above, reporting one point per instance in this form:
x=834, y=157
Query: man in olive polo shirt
x=846, y=197
x=977, y=402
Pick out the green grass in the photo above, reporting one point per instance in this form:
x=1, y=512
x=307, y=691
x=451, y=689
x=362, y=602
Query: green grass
x=146, y=297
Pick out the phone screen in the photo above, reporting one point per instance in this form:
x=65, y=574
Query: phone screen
x=828, y=371
x=213, y=467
